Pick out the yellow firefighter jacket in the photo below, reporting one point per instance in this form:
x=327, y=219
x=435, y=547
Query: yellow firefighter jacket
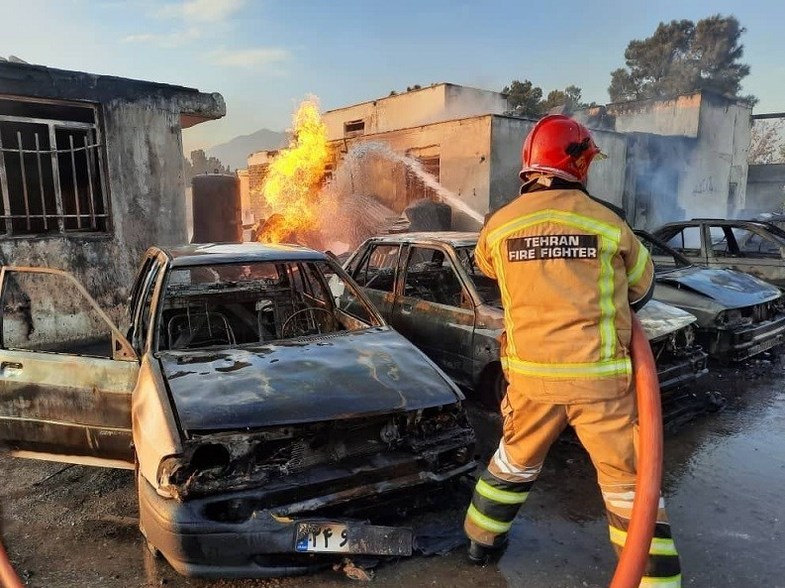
x=568, y=268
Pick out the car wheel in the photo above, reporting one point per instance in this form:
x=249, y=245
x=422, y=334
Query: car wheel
x=493, y=387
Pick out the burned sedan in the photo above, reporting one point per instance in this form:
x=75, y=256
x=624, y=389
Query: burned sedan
x=755, y=247
x=739, y=315
x=428, y=287
x=268, y=410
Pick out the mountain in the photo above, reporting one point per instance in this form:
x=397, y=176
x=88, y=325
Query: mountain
x=235, y=152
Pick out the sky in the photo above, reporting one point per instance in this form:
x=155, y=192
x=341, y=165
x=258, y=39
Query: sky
x=265, y=56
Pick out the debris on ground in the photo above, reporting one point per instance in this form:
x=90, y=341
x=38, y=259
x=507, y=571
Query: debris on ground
x=353, y=571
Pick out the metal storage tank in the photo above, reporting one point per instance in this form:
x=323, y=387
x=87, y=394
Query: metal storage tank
x=428, y=215
x=217, y=211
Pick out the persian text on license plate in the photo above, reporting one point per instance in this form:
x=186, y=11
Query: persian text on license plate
x=329, y=537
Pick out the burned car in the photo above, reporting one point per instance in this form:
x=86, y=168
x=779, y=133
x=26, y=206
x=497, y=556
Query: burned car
x=265, y=405
x=739, y=315
x=428, y=287
x=755, y=247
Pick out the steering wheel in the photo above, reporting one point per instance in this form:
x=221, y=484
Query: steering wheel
x=310, y=309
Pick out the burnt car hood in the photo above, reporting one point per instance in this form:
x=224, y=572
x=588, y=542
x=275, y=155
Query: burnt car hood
x=659, y=319
x=337, y=376
x=728, y=287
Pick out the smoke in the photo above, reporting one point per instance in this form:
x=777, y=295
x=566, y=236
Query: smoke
x=655, y=166
x=354, y=204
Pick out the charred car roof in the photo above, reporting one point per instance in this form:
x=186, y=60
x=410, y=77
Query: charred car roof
x=215, y=253
x=761, y=224
x=454, y=238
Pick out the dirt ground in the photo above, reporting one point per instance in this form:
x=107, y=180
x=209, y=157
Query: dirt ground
x=76, y=526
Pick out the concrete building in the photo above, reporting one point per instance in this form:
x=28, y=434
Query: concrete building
x=91, y=172
x=765, y=189
x=458, y=135
x=687, y=156
x=476, y=158
x=414, y=108
x=668, y=159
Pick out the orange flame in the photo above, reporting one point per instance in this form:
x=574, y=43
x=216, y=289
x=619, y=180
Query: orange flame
x=294, y=178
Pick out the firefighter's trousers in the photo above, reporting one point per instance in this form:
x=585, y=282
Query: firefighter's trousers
x=608, y=431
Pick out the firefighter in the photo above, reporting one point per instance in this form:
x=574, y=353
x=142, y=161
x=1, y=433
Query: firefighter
x=569, y=268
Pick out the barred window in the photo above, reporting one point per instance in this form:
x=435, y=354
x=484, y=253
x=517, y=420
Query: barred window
x=51, y=169
x=416, y=189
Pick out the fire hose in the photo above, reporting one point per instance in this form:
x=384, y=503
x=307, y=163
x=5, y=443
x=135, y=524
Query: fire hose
x=632, y=561
x=8, y=577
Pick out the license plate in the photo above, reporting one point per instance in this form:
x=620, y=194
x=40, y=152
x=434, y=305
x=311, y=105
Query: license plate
x=329, y=537
x=760, y=347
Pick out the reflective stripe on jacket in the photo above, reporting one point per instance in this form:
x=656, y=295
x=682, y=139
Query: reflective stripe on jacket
x=568, y=269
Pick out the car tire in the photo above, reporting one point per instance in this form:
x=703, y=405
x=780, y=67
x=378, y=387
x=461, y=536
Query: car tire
x=493, y=387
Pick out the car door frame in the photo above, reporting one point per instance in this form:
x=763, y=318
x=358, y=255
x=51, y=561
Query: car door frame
x=743, y=262
x=383, y=301
x=404, y=307
x=101, y=436
x=703, y=250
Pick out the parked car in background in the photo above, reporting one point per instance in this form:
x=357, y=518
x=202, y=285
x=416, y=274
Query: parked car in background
x=755, y=247
x=428, y=287
x=775, y=218
x=269, y=411
x=739, y=315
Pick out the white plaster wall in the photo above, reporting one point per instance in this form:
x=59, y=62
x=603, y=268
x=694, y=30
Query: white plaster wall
x=464, y=150
x=387, y=114
x=606, y=178
x=507, y=139
x=144, y=176
x=438, y=103
x=717, y=160
x=765, y=188
x=679, y=116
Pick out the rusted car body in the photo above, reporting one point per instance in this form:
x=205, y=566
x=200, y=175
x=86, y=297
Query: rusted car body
x=268, y=410
x=427, y=286
x=754, y=247
x=739, y=315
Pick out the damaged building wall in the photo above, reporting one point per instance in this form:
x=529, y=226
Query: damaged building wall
x=687, y=157
x=435, y=103
x=715, y=179
x=245, y=195
x=678, y=117
x=606, y=178
x=456, y=152
x=654, y=177
x=765, y=189
x=141, y=125
x=254, y=205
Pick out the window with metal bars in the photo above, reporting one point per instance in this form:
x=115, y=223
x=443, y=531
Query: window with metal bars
x=416, y=189
x=51, y=169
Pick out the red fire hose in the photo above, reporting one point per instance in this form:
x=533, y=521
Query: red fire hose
x=649, y=470
x=8, y=577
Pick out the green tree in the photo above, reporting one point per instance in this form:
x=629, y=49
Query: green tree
x=569, y=99
x=681, y=57
x=524, y=98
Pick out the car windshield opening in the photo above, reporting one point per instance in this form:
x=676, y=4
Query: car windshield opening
x=664, y=258
x=487, y=288
x=260, y=302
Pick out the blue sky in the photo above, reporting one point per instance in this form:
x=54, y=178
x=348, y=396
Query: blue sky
x=264, y=56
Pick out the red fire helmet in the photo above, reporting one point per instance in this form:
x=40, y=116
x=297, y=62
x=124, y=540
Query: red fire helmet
x=559, y=146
